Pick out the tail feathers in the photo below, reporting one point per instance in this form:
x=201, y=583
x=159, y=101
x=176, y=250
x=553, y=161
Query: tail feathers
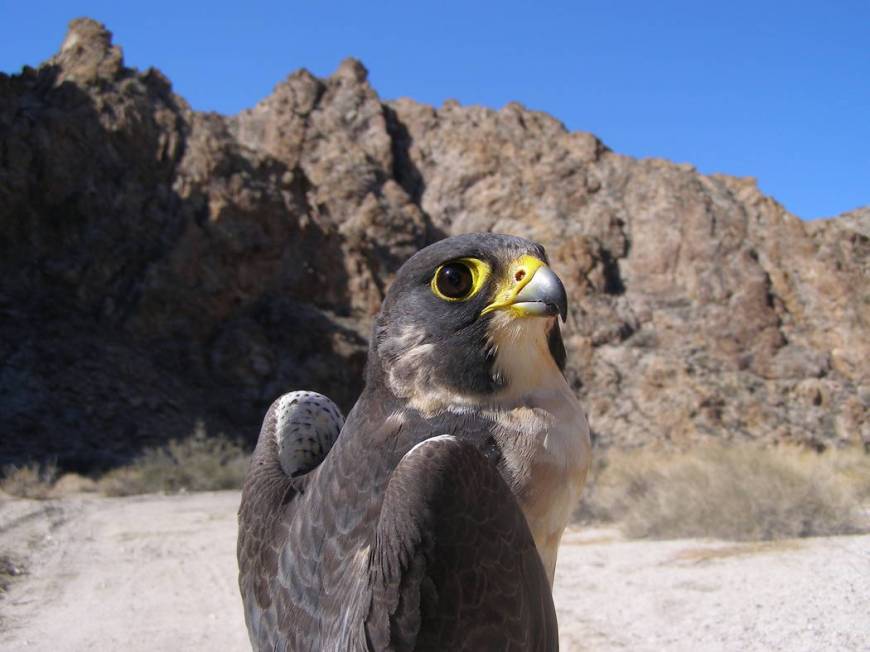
x=306, y=426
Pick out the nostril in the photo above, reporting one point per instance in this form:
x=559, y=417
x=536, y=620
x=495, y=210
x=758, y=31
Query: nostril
x=520, y=275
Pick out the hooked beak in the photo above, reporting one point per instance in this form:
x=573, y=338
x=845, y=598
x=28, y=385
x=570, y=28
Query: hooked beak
x=533, y=290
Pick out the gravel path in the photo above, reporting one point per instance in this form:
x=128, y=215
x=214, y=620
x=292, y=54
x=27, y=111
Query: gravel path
x=157, y=573
x=810, y=594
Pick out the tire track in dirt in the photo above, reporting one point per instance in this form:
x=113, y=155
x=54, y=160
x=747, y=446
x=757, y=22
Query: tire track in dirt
x=142, y=573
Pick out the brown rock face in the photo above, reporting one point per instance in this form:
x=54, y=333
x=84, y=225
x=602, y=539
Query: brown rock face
x=162, y=267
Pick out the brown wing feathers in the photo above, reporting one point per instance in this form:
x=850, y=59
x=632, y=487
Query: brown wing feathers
x=455, y=567
x=378, y=550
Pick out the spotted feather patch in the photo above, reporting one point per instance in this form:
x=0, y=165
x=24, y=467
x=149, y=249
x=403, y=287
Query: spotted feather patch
x=307, y=425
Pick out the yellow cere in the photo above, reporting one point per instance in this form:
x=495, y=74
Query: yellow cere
x=520, y=273
x=480, y=271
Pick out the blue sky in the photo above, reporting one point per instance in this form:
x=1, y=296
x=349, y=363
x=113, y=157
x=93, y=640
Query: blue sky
x=775, y=90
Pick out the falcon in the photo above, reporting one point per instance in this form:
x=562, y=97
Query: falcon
x=430, y=519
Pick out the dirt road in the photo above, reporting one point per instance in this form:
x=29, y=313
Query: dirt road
x=158, y=573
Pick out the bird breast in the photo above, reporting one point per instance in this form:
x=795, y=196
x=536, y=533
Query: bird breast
x=545, y=456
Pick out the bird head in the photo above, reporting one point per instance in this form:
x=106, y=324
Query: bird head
x=469, y=318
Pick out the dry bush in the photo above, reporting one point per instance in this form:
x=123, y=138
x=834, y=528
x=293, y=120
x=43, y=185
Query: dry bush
x=33, y=480
x=73, y=483
x=198, y=463
x=852, y=465
x=739, y=492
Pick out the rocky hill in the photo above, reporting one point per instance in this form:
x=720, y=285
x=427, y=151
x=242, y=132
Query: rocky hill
x=163, y=267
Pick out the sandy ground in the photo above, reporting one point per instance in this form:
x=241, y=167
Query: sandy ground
x=159, y=572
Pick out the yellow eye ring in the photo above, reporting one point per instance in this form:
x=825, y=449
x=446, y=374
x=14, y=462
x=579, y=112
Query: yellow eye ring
x=449, y=283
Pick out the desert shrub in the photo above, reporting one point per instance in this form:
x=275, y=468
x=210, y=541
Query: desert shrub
x=197, y=463
x=32, y=480
x=739, y=492
x=851, y=465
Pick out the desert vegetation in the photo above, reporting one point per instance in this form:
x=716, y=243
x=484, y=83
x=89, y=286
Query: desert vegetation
x=198, y=462
x=737, y=492
x=34, y=480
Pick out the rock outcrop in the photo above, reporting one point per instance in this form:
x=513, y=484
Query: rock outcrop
x=162, y=267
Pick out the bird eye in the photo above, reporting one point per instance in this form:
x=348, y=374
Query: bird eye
x=460, y=279
x=454, y=280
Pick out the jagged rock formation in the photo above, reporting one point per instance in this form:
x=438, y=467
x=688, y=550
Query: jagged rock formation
x=162, y=266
